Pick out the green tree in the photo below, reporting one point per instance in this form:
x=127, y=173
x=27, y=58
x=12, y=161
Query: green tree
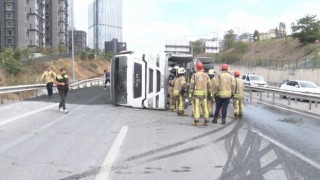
x=256, y=36
x=307, y=29
x=229, y=39
x=83, y=55
x=198, y=47
x=91, y=55
x=17, y=54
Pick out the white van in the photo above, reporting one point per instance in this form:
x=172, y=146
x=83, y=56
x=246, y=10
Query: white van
x=140, y=80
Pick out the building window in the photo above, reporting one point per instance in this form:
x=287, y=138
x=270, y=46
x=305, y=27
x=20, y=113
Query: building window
x=9, y=7
x=9, y=41
x=9, y=24
x=30, y=42
x=9, y=33
x=27, y=33
x=9, y=15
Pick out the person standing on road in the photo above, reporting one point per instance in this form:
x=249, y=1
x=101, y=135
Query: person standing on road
x=107, y=77
x=62, y=82
x=172, y=78
x=210, y=99
x=224, y=89
x=238, y=96
x=49, y=77
x=179, y=90
x=199, y=86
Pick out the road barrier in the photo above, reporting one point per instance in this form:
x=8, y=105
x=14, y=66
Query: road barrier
x=290, y=95
x=38, y=87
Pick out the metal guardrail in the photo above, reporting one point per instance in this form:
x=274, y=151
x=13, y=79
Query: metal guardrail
x=36, y=87
x=284, y=93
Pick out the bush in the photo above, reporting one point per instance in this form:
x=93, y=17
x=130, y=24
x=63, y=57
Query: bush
x=83, y=55
x=240, y=47
x=91, y=56
x=311, y=49
x=93, y=65
x=12, y=65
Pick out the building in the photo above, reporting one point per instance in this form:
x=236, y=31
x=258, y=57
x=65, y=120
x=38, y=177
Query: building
x=177, y=46
x=56, y=16
x=114, y=46
x=105, y=22
x=80, y=40
x=33, y=23
x=183, y=46
x=268, y=35
x=22, y=24
x=246, y=37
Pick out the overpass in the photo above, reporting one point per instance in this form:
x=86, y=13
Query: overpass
x=97, y=140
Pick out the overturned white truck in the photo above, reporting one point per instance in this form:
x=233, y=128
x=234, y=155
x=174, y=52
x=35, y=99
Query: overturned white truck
x=140, y=80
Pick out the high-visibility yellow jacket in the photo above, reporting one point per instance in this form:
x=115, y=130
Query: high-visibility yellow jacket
x=199, y=84
x=212, y=86
x=225, y=85
x=171, y=85
x=49, y=76
x=239, y=88
x=179, y=85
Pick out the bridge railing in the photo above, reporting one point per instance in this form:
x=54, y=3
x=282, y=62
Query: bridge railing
x=290, y=95
x=36, y=88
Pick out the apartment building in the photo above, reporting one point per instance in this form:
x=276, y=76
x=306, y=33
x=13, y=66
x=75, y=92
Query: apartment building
x=22, y=23
x=33, y=23
x=80, y=40
x=56, y=28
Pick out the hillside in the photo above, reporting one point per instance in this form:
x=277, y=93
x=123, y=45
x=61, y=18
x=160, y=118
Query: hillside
x=30, y=74
x=286, y=49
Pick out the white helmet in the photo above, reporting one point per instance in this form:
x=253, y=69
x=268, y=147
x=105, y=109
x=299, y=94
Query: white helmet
x=176, y=67
x=181, y=71
x=211, y=72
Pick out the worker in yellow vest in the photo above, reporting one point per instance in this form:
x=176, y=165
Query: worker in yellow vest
x=179, y=90
x=238, y=96
x=210, y=98
x=49, y=77
x=224, y=90
x=199, y=85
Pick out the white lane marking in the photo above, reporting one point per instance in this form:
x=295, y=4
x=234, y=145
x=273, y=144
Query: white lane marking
x=104, y=172
x=316, y=117
x=25, y=115
x=282, y=146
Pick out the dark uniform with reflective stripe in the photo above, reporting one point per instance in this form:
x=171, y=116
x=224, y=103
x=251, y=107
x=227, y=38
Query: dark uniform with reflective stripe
x=63, y=89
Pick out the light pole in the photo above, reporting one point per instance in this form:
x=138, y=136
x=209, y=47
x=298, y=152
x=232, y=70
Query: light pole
x=72, y=39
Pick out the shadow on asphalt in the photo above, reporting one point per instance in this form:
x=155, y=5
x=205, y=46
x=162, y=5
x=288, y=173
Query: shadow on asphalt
x=86, y=96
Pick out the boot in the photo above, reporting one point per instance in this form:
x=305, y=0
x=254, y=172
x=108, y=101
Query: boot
x=195, y=123
x=223, y=120
x=206, y=123
x=183, y=114
x=215, y=120
x=236, y=116
x=240, y=115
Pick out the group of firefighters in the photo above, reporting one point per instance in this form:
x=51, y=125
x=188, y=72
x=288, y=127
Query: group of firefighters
x=206, y=90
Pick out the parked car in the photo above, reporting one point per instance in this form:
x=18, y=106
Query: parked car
x=301, y=86
x=254, y=80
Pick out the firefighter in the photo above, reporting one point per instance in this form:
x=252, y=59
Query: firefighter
x=199, y=86
x=224, y=89
x=210, y=99
x=179, y=90
x=172, y=77
x=238, y=96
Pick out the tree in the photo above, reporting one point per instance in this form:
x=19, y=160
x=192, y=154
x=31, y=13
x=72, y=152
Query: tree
x=282, y=30
x=17, y=54
x=109, y=55
x=277, y=32
x=198, y=47
x=256, y=36
x=83, y=55
x=229, y=39
x=91, y=55
x=307, y=29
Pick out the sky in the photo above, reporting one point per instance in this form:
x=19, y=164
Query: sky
x=148, y=24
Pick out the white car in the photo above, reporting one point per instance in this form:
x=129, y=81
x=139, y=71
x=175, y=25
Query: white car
x=301, y=86
x=254, y=80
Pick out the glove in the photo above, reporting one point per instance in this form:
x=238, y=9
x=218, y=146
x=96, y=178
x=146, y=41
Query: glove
x=190, y=95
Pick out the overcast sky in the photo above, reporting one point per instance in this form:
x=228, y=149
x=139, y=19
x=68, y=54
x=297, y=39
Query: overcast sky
x=147, y=24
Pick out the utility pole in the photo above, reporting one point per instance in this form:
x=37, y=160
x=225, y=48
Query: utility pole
x=72, y=24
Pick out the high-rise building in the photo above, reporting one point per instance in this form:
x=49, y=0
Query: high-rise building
x=22, y=23
x=33, y=23
x=105, y=22
x=56, y=12
x=80, y=40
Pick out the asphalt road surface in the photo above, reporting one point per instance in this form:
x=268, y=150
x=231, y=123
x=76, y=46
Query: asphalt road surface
x=97, y=140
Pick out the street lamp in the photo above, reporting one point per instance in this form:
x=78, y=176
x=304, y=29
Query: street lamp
x=72, y=39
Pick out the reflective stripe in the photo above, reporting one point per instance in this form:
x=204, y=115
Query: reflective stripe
x=175, y=92
x=224, y=94
x=200, y=93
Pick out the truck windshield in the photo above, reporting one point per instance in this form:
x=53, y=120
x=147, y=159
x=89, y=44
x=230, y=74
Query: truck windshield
x=120, y=80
